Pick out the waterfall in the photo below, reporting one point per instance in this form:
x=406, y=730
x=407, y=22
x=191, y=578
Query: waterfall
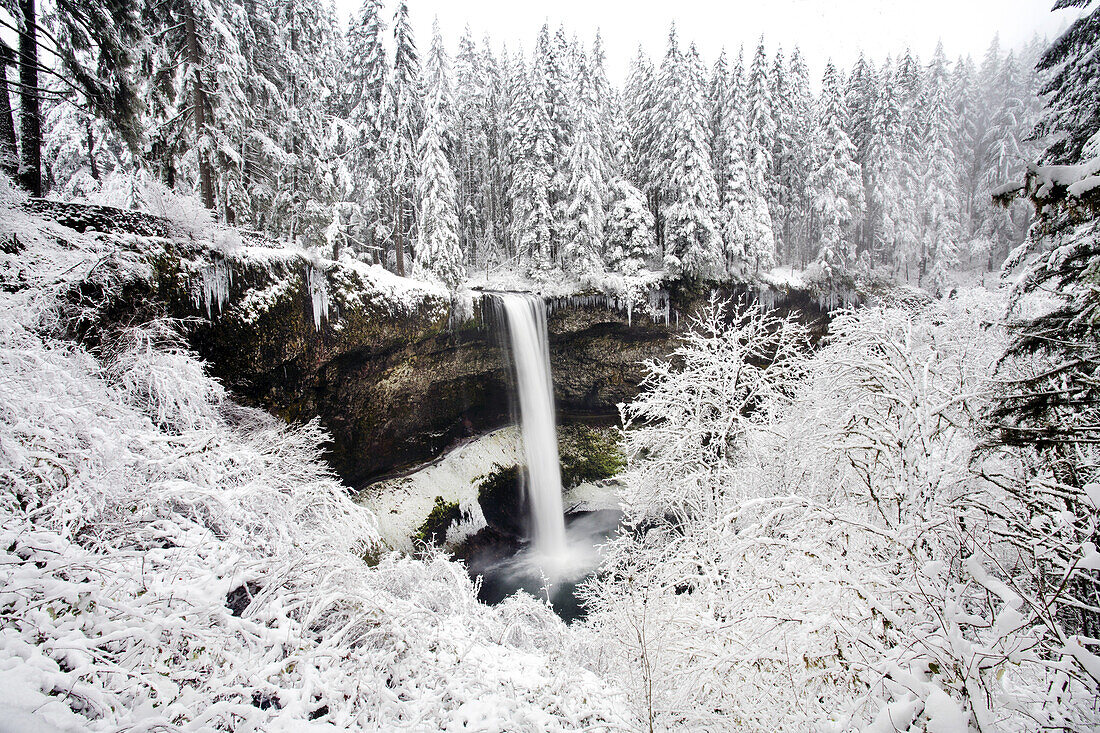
x=525, y=316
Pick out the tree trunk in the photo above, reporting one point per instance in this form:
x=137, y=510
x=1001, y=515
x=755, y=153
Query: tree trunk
x=91, y=150
x=30, y=115
x=399, y=238
x=9, y=151
x=198, y=102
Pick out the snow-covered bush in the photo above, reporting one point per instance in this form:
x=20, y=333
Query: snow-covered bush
x=142, y=191
x=843, y=566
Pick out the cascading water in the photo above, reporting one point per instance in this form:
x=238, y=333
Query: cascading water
x=525, y=316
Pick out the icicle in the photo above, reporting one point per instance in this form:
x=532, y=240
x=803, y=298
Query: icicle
x=318, y=290
x=629, y=313
x=214, y=290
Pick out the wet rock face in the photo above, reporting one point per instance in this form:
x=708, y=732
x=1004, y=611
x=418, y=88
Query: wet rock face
x=596, y=357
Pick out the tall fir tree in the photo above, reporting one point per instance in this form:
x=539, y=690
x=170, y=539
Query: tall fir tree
x=836, y=181
x=584, y=234
x=365, y=83
x=404, y=118
x=938, y=185
x=438, y=249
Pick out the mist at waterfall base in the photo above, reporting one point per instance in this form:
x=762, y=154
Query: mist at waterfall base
x=562, y=550
x=505, y=568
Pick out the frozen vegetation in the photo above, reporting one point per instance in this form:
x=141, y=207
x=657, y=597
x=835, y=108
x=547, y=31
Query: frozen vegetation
x=888, y=527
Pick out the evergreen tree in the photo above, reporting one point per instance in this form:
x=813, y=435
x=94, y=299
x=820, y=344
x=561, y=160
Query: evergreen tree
x=938, y=202
x=437, y=245
x=365, y=83
x=587, y=184
x=1072, y=116
x=836, y=183
x=886, y=165
x=690, y=199
x=641, y=114
x=760, y=119
x=404, y=119
x=9, y=149
x=799, y=163
x=471, y=155
x=532, y=219
x=860, y=102
x=779, y=198
x=1051, y=406
x=629, y=229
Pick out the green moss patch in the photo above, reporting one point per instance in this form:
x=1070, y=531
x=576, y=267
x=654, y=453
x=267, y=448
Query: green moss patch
x=588, y=454
x=442, y=516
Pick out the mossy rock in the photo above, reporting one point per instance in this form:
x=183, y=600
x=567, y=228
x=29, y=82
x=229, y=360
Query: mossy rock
x=442, y=516
x=502, y=501
x=588, y=454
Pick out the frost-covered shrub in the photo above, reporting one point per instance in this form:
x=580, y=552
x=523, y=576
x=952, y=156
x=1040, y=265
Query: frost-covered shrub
x=163, y=378
x=840, y=564
x=140, y=190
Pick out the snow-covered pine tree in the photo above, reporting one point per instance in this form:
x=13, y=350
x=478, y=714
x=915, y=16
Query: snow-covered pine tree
x=584, y=225
x=886, y=167
x=71, y=50
x=859, y=97
x=939, y=208
x=1050, y=403
x=779, y=203
x=551, y=70
x=966, y=98
x=1006, y=152
x=719, y=99
x=79, y=150
x=836, y=183
x=404, y=119
x=799, y=163
x=629, y=229
x=497, y=171
x=1072, y=117
x=310, y=179
x=690, y=201
x=902, y=201
x=365, y=82
x=607, y=105
x=9, y=147
x=641, y=115
x=532, y=219
x=759, y=119
x=438, y=250
x=471, y=152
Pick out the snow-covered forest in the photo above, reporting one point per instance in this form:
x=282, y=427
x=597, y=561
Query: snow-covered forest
x=816, y=359
x=443, y=161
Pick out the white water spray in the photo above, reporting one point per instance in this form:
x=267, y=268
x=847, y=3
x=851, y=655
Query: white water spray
x=526, y=317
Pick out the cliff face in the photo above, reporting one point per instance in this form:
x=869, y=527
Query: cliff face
x=395, y=370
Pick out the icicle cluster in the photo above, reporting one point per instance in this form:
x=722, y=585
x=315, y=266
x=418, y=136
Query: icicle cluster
x=318, y=291
x=213, y=290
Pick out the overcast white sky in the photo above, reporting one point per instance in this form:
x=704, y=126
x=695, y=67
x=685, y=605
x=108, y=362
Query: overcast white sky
x=823, y=29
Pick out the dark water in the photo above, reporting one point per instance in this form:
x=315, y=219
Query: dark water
x=506, y=566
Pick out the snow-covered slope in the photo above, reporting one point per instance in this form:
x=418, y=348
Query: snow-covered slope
x=172, y=561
